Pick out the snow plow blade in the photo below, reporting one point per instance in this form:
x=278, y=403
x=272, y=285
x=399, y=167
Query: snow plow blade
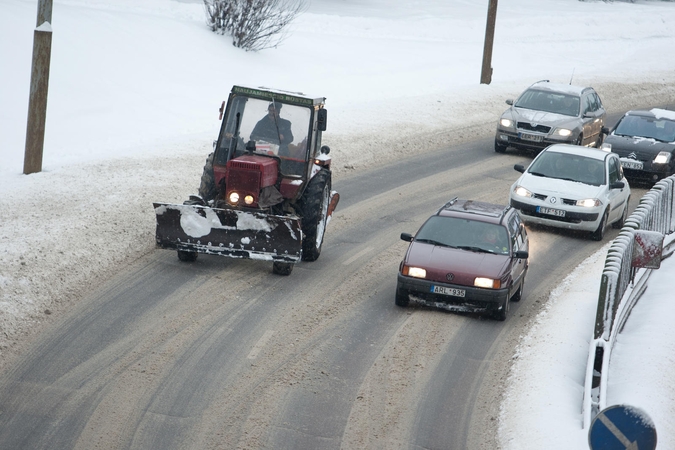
x=226, y=232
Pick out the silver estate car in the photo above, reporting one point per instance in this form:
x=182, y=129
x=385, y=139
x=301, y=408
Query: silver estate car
x=548, y=113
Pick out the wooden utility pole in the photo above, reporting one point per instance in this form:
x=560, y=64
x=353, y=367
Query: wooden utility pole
x=486, y=73
x=39, y=84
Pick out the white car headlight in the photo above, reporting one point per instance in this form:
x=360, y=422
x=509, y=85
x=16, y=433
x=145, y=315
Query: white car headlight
x=522, y=192
x=506, y=123
x=662, y=158
x=562, y=132
x=416, y=272
x=487, y=283
x=589, y=202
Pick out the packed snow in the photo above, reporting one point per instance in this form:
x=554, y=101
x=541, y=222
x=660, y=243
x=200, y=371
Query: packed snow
x=134, y=92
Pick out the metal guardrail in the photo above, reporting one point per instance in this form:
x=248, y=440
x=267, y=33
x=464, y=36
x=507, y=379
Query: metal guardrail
x=620, y=291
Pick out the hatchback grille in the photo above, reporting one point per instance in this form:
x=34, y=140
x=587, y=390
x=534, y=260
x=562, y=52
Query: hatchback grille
x=530, y=127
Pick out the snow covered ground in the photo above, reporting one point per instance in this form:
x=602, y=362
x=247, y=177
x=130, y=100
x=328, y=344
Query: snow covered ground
x=133, y=98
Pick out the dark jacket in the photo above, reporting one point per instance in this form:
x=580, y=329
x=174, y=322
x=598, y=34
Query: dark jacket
x=266, y=130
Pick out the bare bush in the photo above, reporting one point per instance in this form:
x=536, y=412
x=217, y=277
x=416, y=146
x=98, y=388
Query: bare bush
x=253, y=24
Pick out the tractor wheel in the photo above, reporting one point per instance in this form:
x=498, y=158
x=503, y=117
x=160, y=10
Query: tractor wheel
x=314, y=207
x=207, y=187
x=280, y=268
x=187, y=256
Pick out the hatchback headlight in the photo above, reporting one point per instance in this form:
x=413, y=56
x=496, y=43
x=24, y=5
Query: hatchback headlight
x=487, y=283
x=662, y=158
x=589, y=202
x=506, y=123
x=415, y=272
x=522, y=192
x=562, y=132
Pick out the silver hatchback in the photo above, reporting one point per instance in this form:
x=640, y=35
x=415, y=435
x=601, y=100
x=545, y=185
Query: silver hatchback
x=549, y=113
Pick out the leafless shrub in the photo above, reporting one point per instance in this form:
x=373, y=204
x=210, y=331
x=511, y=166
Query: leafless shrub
x=253, y=24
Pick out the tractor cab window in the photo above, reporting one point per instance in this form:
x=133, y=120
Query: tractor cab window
x=278, y=129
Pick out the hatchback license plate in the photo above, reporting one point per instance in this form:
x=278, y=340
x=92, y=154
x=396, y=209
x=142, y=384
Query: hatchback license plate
x=550, y=211
x=631, y=164
x=531, y=137
x=448, y=291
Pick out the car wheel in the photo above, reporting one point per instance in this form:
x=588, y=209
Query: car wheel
x=598, y=234
x=187, y=256
x=499, y=148
x=519, y=293
x=501, y=314
x=579, y=140
x=619, y=223
x=280, y=268
x=402, y=297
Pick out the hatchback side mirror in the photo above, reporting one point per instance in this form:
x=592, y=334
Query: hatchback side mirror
x=406, y=237
x=521, y=254
x=519, y=168
x=509, y=102
x=617, y=185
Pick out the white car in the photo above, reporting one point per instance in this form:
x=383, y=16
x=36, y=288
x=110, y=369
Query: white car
x=573, y=187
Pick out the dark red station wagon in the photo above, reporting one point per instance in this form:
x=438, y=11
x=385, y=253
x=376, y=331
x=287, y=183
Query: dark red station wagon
x=470, y=256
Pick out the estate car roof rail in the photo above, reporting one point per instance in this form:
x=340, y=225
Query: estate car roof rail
x=450, y=203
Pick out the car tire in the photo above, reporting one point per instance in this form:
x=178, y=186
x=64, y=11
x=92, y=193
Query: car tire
x=280, y=268
x=187, y=256
x=504, y=311
x=619, y=223
x=579, y=140
x=499, y=148
x=599, y=234
x=519, y=293
x=402, y=297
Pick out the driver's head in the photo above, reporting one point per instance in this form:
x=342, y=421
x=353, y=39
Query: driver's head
x=273, y=109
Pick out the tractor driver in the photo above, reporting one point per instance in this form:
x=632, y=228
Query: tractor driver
x=273, y=129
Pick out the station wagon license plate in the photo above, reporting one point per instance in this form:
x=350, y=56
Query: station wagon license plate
x=631, y=164
x=448, y=291
x=531, y=137
x=550, y=211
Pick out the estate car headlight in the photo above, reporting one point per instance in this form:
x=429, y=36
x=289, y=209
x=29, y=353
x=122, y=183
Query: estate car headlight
x=415, y=272
x=234, y=198
x=662, y=158
x=522, y=192
x=589, y=202
x=562, y=132
x=506, y=123
x=487, y=283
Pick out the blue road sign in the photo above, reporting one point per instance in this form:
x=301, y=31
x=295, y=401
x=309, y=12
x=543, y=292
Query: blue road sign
x=622, y=427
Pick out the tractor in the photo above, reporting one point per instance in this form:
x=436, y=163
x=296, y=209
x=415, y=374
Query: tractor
x=265, y=191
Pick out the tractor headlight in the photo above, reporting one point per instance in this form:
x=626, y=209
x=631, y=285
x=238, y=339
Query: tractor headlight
x=662, y=158
x=589, y=202
x=415, y=272
x=522, y=192
x=234, y=198
x=487, y=283
x=248, y=199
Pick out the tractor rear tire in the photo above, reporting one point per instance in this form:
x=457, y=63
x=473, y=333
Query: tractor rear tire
x=314, y=207
x=280, y=268
x=207, y=186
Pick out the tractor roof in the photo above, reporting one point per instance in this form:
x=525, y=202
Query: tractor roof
x=296, y=98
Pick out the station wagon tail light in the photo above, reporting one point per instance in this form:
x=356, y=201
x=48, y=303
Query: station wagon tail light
x=487, y=283
x=589, y=202
x=522, y=192
x=415, y=272
x=662, y=158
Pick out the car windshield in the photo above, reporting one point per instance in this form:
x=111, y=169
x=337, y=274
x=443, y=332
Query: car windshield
x=647, y=127
x=470, y=235
x=277, y=129
x=569, y=167
x=553, y=102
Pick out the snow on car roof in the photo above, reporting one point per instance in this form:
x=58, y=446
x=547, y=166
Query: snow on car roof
x=663, y=113
x=570, y=149
x=559, y=87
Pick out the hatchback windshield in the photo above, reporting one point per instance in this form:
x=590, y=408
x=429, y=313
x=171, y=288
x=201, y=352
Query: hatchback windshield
x=466, y=234
x=554, y=102
x=648, y=127
x=569, y=167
